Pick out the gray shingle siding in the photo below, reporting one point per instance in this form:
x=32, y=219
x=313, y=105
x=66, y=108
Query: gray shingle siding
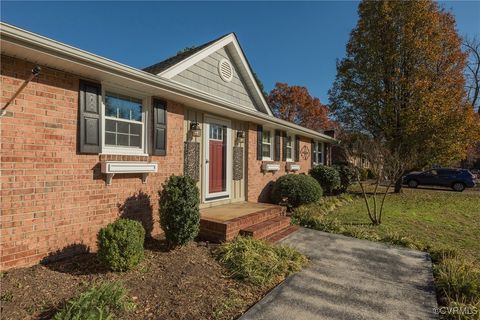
x=204, y=76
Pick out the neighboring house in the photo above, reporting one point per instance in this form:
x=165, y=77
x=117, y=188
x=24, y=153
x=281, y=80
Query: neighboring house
x=90, y=139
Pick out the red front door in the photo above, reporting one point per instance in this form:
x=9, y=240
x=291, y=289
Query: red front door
x=217, y=159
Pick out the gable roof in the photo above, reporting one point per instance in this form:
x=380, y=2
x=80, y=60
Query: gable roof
x=176, y=64
x=167, y=63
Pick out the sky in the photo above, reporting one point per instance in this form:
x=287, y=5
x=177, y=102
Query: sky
x=293, y=42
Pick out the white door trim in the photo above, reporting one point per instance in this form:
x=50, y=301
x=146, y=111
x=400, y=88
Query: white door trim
x=207, y=196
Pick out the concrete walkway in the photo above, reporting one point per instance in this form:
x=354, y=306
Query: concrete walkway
x=349, y=278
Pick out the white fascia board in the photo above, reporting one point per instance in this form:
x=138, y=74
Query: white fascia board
x=198, y=56
x=45, y=47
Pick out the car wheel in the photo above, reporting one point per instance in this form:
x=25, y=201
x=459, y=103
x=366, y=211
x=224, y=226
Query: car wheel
x=458, y=186
x=413, y=183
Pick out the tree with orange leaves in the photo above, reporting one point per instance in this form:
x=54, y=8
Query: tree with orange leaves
x=402, y=82
x=295, y=104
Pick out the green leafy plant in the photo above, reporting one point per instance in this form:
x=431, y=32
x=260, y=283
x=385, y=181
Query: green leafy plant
x=120, y=244
x=179, y=210
x=99, y=302
x=371, y=174
x=258, y=262
x=296, y=189
x=363, y=173
x=327, y=177
x=347, y=176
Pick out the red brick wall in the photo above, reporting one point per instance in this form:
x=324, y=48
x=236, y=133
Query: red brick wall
x=260, y=183
x=51, y=196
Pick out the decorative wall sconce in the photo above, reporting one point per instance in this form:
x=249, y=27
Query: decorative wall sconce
x=195, y=129
x=240, y=136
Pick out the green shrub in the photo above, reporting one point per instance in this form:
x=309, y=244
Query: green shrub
x=179, y=210
x=327, y=177
x=297, y=188
x=120, y=244
x=347, y=176
x=371, y=174
x=98, y=302
x=363, y=173
x=258, y=262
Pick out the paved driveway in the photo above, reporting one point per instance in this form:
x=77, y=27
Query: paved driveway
x=349, y=278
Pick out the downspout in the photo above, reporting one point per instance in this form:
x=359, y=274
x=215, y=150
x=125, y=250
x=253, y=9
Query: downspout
x=35, y=73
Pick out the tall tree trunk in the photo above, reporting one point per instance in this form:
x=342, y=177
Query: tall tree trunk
x=398, y=185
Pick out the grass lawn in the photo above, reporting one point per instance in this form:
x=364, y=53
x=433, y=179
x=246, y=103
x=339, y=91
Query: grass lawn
x=435, y=218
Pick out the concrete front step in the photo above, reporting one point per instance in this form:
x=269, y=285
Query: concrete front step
x=266, y=228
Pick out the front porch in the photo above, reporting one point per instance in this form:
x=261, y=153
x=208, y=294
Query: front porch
x=258, y=220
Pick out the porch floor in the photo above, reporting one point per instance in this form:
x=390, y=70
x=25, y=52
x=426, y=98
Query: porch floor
x=232, y=210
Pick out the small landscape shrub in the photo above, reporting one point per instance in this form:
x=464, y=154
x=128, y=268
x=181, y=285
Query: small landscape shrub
x=258, y=262
x=363, y=173
x=327, y=177
x=99, y=302
x=120, y=244
x=371, y=174
x=347, y=176
x=179, y=210
x=297, y=188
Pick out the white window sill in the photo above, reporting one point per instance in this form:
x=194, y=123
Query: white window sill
x=123, y=152
x=270, y=167
x=110, y=168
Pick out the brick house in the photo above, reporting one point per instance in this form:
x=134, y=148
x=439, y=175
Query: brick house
x=90, y=139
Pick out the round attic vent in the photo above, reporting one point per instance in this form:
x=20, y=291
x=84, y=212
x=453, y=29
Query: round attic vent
x=225, y=70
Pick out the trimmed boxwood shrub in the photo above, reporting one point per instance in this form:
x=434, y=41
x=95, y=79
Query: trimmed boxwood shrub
x=179, y=210
x=120, y=244
x=347, y=176
x=297, y=188
x=327, y=177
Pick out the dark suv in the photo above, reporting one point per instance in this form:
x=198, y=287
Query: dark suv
x=457, y=179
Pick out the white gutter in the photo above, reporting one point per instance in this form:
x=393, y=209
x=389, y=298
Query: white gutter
x=48, y=46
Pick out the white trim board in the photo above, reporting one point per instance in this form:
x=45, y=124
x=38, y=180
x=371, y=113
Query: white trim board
x=207, y=196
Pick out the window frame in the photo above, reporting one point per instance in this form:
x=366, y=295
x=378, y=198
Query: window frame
x=292, y=147
x=270, y=157
x=146, y=111
x=318, y=148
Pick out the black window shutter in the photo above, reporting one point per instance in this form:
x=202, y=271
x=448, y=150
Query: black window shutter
x=276, y=156
x=159, y=128
x=297, y=148
x=284, y=144
x=90, y=95
x=259, y=142
x=314, y=154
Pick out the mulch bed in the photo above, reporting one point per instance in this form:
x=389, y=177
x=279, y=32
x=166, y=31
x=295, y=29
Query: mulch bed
x=185, y=283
